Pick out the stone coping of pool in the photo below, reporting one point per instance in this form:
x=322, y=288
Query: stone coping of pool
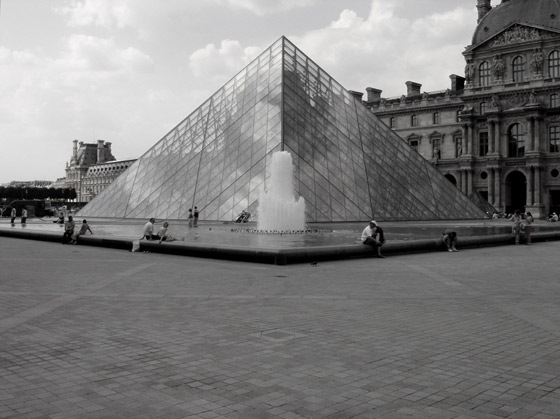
x=284, y=256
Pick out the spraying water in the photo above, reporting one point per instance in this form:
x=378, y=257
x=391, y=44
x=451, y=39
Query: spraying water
x=278, y=208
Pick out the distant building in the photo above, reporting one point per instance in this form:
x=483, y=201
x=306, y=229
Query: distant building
x=92, y=167
x=29, y=183
x=495, y=132
x=99, y=176
x=59, y=183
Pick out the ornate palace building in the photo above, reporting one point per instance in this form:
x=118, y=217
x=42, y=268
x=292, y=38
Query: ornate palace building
x=92, y=168
x=495, y=133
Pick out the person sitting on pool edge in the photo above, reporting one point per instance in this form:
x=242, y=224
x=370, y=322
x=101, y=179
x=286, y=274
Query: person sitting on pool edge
x=450, y=239
x=372, y=235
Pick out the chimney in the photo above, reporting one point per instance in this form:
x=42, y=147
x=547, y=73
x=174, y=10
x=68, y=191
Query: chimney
x=483, y=7
x=100, y=152
x=373, y=95
x=75, y=150
x=412, y=88
x=357, y=95
x=457, y=82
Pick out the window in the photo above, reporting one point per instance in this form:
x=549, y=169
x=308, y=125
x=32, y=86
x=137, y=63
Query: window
x=554, y=100
x=414, y=120
x=554, y=64
x=393, y=122
x=458, y=145
x=483, y=144
x=483, y=108
x=516, y=141
x=518, y=69
x=484, y=74
x=414, y=142
x=436, y=118
x=554, y=138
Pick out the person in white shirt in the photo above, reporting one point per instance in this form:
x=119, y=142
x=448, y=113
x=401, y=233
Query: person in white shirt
x=148, y=233
x=372, y=236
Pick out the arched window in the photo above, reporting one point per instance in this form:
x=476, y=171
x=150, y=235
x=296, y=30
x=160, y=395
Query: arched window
x=413, y=120
x=393, y=122
x=516, y=141
x=518, y=69
x=436, y=118
x=484, y=74
x=554, y=100
x=554, y=64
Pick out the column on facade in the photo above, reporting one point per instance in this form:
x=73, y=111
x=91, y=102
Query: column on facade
x=531, y=145
x=538, y=192
x=459, y=176
x=471, y=138
x=470, y=182
x=530, y=187
x=498, y=147
x=464, y=182
x=537, y=133
x=497, y=189
x=490, y=185
x=466, y=136
x=491, y=134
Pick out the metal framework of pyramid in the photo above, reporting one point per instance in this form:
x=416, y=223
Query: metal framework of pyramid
x=349, y=166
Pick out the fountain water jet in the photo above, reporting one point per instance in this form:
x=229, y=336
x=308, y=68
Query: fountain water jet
x=279, y=210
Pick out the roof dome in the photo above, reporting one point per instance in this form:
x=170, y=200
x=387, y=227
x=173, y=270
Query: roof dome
x=540, y=13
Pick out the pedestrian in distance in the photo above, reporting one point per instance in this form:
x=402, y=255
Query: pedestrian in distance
x=69, y=227
x=13, y=215
x=23, y=216
x=195, y=217
x=517, y=220
x=190, y=217
x=527, y=227
x=372, y=235
x=449, y=237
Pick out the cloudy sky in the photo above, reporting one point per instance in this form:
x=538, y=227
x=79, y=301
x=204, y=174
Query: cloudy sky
x=127, y=71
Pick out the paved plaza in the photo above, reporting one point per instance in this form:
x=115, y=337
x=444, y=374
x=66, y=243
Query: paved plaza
x=89, y=332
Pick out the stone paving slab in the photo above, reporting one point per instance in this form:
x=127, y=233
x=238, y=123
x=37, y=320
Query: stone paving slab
x=89, y=332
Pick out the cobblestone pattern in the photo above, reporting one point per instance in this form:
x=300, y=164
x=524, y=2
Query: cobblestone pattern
x=96, y=333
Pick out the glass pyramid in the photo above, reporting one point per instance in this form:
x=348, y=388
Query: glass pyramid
x=349, y=166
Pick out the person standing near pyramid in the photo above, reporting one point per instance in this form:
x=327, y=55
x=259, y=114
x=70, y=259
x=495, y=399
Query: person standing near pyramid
x=190, y=217
x=195, y=218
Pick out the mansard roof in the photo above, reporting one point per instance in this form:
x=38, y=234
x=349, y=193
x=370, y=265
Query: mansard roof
x=544, y=14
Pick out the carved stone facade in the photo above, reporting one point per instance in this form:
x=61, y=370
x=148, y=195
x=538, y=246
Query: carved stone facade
x=92, y=168
x=496, y=132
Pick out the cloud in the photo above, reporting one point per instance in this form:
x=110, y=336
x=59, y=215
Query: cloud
x=98, y=13
x=384, y=50
x=220, y=63
x=264, y=7
x=92, y=58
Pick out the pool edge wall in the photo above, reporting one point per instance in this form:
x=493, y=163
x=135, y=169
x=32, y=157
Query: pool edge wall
x=279, y=256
